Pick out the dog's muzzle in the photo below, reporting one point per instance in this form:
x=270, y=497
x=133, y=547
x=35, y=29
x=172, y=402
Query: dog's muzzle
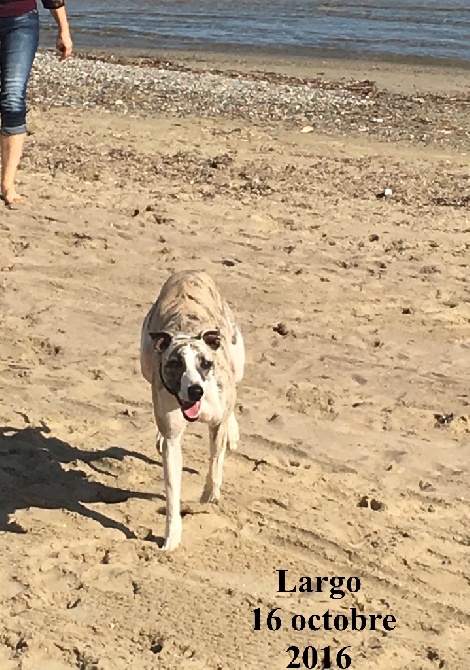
x=190, y=408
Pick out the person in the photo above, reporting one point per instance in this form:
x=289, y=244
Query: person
x=19, y=39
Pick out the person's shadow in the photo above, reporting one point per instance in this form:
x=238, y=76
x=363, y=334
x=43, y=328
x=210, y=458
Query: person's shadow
x=31, y=475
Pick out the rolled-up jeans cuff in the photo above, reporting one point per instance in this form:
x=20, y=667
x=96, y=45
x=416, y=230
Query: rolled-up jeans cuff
x=17, y=130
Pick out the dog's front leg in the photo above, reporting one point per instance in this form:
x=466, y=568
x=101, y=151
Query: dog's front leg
x=218, y=446
x=172, y=457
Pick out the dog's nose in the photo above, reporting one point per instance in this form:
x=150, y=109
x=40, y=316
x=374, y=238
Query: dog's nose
x=195, y=392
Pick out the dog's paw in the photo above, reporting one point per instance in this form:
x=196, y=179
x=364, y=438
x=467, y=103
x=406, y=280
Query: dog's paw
x=171, y=543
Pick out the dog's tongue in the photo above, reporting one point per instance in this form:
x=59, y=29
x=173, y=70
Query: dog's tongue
x=192, y=411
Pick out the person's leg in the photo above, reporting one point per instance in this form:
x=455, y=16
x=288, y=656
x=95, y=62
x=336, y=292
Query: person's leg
x=12, y=149
x=18, y=49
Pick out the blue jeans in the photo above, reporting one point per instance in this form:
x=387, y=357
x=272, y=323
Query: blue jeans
x=19, y=39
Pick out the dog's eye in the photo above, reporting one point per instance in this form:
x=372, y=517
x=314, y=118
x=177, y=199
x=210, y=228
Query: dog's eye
x=173, y=363
x=205, y=364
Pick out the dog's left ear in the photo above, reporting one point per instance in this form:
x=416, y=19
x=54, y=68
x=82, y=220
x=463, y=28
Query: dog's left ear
x=161, y=341
x=211, y=338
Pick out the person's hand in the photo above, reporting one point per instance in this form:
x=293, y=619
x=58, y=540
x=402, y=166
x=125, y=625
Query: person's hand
x=64, y=44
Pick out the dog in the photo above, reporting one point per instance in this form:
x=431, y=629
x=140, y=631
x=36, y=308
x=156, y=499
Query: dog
x=192, y=352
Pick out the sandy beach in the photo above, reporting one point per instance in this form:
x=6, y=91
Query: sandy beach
x=354, y=412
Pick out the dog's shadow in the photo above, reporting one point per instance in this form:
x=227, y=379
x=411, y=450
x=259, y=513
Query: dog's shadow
x=32, y=475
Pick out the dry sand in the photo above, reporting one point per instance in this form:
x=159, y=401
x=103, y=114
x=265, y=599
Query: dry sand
x=343, y=468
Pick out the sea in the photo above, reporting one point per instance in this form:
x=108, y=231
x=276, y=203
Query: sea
x=429, y=30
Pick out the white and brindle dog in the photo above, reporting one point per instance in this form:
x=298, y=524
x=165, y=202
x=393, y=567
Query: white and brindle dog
x=193, y=354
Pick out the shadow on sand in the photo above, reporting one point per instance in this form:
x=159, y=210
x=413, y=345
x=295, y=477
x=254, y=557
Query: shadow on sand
x=31, y=475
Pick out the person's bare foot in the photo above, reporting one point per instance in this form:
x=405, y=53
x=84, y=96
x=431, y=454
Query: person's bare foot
x=11, y=197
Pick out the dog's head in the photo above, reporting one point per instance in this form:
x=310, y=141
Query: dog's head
x=187, y=365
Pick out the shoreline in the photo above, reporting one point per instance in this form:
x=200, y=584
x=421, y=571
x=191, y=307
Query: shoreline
x=301, y=56
x=233, y=50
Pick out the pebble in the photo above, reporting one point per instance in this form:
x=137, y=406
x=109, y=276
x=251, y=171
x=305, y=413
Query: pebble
x=79, y=82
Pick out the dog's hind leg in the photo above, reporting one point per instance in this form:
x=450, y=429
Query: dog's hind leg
x=238, y=355
x=218, y=444
x=159, y=442
x=233, y=433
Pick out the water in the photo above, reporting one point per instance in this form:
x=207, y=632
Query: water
x=433, y=29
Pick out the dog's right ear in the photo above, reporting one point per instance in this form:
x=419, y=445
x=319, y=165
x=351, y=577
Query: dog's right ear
x=211, y=338
x=161, y=341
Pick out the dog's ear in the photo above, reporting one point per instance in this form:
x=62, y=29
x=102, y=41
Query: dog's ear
x=161, y=341
x=211, y=338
